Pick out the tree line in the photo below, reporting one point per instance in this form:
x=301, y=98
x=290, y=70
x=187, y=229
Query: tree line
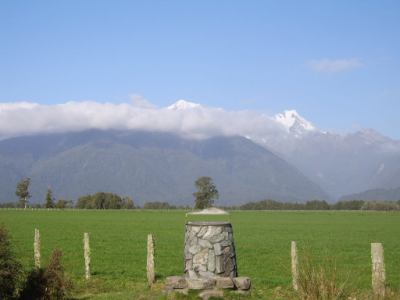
x=206, y=193
x=320, y=205
x=204, y=197
x=103, y=200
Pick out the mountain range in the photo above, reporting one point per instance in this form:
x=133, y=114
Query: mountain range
x=148, y=166
x=156, y=154
x=342, y=164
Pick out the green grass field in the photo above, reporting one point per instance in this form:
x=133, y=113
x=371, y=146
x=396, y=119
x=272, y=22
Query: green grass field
x=118, y=244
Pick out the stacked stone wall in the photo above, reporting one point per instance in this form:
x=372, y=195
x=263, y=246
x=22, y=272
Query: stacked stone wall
x=209, y=250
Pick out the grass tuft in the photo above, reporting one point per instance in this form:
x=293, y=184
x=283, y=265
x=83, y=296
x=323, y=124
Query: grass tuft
x=320, y=281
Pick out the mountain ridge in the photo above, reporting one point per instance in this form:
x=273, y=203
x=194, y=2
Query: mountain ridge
x=339, y=163
x=379, y=194
x=149, y=166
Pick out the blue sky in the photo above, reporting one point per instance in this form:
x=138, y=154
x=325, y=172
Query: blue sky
x=336, y=62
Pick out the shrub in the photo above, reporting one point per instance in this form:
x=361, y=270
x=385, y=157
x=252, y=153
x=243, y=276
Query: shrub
x=35, y=285
x=10, y=268
x=48, y=283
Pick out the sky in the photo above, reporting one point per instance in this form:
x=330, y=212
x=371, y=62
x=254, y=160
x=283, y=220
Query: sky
x=336, y=62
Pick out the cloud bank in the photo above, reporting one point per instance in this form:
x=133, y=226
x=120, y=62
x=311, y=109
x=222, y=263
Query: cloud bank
x=335, y=65
x=185, y=118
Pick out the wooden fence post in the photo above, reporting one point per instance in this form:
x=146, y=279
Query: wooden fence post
x=378, y=269
x=36, y=248
x=86, y=253
x=150, y=260
x=295, y=266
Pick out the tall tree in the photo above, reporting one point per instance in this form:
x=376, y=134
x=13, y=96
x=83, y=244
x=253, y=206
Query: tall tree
x=22, y=191
x=127, y=203
x=49, y=203
x=206, y=192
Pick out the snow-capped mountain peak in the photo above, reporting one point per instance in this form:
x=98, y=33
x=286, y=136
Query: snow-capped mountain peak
x=183, y=104
x=293, y=122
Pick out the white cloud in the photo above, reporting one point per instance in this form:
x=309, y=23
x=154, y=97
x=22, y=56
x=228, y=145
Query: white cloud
x=23, y=118
x=335, y=65
x=140, y=101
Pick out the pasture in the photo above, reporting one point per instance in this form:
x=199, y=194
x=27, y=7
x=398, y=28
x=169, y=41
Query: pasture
x=118, y=245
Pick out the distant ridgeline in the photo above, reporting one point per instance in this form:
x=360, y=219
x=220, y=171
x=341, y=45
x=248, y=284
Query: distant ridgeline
x=375, y=195
x=112, y=201
x=322, y=205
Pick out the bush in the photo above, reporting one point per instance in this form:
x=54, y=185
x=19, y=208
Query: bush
x=35, y=285
x=57, y=282
x=48, y=283
x=380, y=205
x=10, y=268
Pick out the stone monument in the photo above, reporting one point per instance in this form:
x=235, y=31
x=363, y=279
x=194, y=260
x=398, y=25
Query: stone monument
x=209, y=248
x=209, y=256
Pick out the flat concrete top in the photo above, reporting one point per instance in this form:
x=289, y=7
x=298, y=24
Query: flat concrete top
x=209, y=211
x=205, y=223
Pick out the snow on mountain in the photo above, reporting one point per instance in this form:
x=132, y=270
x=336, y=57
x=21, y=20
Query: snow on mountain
x=371, y=136
x=293, y=122
x=183, y=105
